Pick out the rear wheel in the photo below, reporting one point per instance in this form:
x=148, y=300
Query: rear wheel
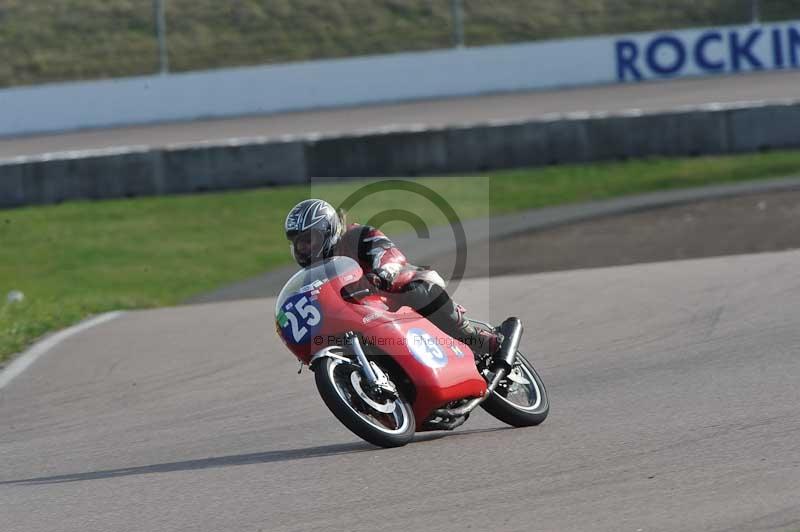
x=382, y=422
x=520, y=399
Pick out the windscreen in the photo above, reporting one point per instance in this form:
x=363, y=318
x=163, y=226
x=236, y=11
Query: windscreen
x=313, y=277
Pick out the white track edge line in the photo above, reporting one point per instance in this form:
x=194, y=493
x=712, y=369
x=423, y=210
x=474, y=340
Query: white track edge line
x=24, y=361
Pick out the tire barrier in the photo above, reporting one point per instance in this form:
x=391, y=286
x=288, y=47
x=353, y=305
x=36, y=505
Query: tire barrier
x=572, y=138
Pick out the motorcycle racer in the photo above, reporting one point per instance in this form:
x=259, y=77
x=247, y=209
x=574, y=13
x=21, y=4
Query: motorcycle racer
x=316, y=231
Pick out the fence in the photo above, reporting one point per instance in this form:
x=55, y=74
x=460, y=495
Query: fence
x=88, y=39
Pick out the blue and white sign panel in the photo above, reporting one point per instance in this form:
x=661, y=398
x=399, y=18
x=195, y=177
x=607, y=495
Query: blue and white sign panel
x=400, y=77
x=710, y=51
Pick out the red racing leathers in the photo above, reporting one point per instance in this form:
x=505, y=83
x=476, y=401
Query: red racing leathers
x=378, y=256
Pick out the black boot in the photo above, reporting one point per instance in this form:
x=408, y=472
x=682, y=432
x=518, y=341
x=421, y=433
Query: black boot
x=480, y=340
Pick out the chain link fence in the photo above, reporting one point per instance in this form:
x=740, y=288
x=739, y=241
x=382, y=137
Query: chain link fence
x=88, y=39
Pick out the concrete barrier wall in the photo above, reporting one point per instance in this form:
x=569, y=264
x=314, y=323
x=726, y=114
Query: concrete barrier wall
x=573, y=139
x=261, y=162
x=303, y=86
x=381, y=79
x=119, y=174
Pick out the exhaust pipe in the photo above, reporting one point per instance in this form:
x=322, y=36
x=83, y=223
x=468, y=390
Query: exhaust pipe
x=473, y=404
x=512, y=334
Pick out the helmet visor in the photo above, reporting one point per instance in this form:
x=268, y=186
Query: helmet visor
x=307, y=247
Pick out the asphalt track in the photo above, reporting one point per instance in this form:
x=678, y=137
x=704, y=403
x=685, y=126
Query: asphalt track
x=674, y=392
x=652, y=96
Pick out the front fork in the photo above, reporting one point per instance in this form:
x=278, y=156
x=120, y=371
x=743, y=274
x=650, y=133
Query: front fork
x=376, y=379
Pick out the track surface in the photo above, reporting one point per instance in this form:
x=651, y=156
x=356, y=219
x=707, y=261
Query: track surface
x=674, y=391
x=514, y=106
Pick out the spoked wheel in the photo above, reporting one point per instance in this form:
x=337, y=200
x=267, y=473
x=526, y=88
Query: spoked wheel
x=520, y=399
x=380, y=421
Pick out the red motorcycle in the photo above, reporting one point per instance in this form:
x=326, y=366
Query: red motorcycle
x=387, y=372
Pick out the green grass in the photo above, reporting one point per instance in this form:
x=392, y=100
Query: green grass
x=82, y=258
x=82, y=39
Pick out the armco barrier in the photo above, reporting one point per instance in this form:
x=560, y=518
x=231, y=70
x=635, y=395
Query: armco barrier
x=261, y=162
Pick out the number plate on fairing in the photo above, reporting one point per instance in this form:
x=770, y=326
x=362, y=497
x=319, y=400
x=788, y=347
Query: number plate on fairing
x=425, y=348
x=299, y=318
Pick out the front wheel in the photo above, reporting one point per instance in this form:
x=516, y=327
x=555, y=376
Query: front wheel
x=520, y=399
x=382, y=422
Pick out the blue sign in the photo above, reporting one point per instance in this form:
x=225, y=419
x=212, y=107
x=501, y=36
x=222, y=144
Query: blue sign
x=711, y=52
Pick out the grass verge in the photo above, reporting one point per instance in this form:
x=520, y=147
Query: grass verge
x=82, y=258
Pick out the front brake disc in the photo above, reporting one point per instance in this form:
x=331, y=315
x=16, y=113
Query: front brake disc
x=386, y=408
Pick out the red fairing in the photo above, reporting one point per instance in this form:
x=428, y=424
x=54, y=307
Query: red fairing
x=441, y=368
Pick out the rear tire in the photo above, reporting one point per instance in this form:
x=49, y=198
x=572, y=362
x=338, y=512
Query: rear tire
x=506, y=402
x=334, y=380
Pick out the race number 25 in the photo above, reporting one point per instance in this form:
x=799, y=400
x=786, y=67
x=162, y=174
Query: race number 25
x=300, y=316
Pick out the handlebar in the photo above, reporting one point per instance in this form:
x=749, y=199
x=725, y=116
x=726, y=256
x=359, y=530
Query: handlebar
x=361, y=293
x=363, y=290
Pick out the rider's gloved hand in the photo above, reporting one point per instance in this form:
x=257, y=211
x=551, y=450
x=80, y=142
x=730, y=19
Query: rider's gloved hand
x=375, y=280
x=385, y=276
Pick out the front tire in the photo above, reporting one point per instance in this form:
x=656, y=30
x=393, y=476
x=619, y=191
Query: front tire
x=520, y=399
x=344, y=395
